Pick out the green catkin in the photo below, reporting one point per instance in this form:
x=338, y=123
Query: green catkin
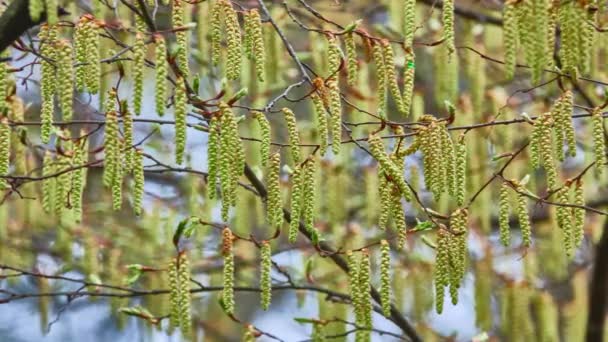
x=77, y=188
x=564, y=219
x=5, y=149
x=409, y=22
x=377, y=150
x=503, y=215
x=552, y=20
x=4, y=83
x=216, y=33
x=181, y=36
x=391, y=76
x=139, y=55
x=273, y=202
x=127, y=125
x=385, y=199
x=449, y=159
x=265, y=136
x=352, y=65
x=92, y=59
x=117, y=179
x=547, y=317
x=297, y=188
x=48, y=37
x=233, y=40
x=378, y=56
x=161, y=74
x=365, y=288
x=385, y=278
x=183, y=275
x=563, y=126
x=232, y=158
x=65, y=77
x=587, y=20
x=442, y=268
x=335, y=117
x=541, y=148
x=523, y=217
x=448, y=25
x=353, y=283
x=51, y=11
x=309, y=196
x=408, y=80
x=48, y=184
x=213, y=149
x=569, y=48
x=510, y=35
x=228, y=273
x=174, y=293
x=579, y=213
x=265, y=280
x=138, y=178
x=180, y=112
x=458, y=251
x=321, y=122
x=257, y=44
x=36, y=8
x=294, y=135
x=599, y=145
x=80, y=44
x=460, y=181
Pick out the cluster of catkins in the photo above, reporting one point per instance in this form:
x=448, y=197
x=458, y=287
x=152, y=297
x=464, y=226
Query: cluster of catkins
x=224, y=16
x=120, y=157
x=532, y=26
x=179, y=294
x=571, y=220
x=225, y=157
x=521, y=210
x=451, y=258
x=444, y=163
x=551, y=130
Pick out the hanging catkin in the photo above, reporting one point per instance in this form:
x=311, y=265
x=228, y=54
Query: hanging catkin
x=378, y=56
x=48, y=184
x=216, y=33
x=253, y=34
x=409, y=22
x=503, y=215
x=228, y=273
x=181, y=36
x=127, y=128
x=36, y=8
x=510, y=36
x=5, y=149
x=65, y=77
x=139, y=54
x=321, y=122
x=265, y=278
x=138, y=178
x=385, y=278
x=541, y=147
x=448, y=25
x=79, y=156
x=174, y=293
x=460, y=181
x=297, y=188
x=599, y=144
x=213, y=149
x=524, y=218
x=48, y=38
x=233, y=40
x=294, y=135
x=180, y=112
x=309, y=196
x=579, y=213
x=160, y=94
x=442, y=268
x=391, y=76
x=232, y=158
x=265, y=136
x=273, y=202
x=408, y=80
x=183, y=275
x=352, y=64
x=365, y=288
